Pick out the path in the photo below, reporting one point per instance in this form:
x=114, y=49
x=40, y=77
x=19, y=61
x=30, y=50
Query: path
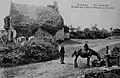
x=51, y=69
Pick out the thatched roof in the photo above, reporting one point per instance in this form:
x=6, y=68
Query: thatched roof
x=36, y=14
x=44, y=16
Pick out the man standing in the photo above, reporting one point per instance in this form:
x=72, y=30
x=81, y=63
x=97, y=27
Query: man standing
x=108, y=54
x=62, y=52
x=108, y=51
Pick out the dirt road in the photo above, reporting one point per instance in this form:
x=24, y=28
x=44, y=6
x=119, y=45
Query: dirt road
x=53, y=69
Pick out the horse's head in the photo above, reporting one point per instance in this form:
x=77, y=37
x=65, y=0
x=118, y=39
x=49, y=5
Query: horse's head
x=98, y=55
x=78, y=51
x=95, y=53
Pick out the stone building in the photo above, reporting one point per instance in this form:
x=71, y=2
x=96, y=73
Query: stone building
x=42, y=18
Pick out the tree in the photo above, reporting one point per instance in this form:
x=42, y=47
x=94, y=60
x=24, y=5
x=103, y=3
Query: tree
x=116, y=32
x=70, y=26
x=95, y=28
x=86, y=30
x=111, y=28
x=79, y=28
x=87, y=33
x=96, y=31
x=104, y=33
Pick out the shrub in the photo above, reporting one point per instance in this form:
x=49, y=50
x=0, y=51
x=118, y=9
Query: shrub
x=112, y=73
x=33, y=51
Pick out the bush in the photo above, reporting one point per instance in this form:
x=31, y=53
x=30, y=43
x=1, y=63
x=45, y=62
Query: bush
x=33, y=51
x=113, y=73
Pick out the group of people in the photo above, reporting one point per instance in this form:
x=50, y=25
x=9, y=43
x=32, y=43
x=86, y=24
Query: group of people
x=62, y=51
x=86, y=49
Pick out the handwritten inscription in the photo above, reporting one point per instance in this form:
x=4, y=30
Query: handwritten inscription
x=95, y=6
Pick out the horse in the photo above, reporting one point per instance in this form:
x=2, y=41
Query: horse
x=84, y=54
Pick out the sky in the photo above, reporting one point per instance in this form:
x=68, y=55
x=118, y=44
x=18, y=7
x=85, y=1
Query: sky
x=84, y=17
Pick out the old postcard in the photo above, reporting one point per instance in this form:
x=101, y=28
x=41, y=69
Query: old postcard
x=60, y=39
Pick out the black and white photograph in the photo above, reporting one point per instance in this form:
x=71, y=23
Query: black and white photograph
x=59, y=38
